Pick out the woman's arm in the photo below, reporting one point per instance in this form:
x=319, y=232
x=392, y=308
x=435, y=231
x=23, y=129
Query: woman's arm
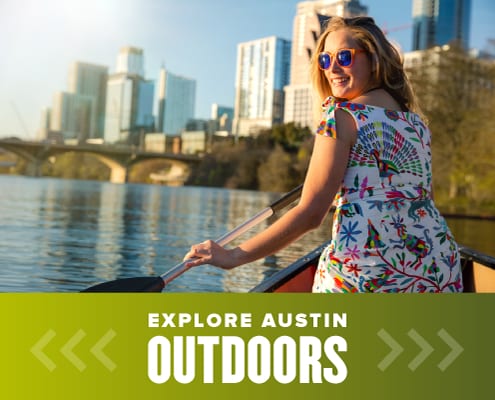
x=325, y=173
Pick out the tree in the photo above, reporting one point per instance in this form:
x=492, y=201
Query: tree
x=290, y=136
x=278, y=174
x=76, y=166
x=455, y=91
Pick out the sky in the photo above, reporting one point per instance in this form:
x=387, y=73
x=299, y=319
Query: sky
x=39, y=39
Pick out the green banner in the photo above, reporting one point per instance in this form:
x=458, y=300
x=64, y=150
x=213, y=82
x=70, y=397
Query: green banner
x=251, y=346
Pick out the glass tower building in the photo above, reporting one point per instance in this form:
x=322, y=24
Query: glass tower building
x=91, y=80
x=129, y=100
x=440, y=22
x=71, y=115
x=129, y=108
x=176, y=101
x=263, y=69
x=130, y=61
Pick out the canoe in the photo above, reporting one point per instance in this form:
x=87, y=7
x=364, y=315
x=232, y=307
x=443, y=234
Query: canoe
x=478, y=272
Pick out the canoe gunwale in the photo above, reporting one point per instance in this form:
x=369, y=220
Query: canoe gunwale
x=476, y=256
x=281, y=277
x=276, y=282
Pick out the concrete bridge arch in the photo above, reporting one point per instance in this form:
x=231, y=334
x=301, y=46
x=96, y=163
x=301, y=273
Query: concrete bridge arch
x=118, y=159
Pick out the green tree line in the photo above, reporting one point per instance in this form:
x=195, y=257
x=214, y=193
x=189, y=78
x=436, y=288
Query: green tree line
x=457, y=95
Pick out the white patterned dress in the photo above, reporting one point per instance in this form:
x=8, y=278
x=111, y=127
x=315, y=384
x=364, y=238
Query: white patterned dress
x=387, y=234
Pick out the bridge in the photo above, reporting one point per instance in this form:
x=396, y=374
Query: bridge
x=119, y=159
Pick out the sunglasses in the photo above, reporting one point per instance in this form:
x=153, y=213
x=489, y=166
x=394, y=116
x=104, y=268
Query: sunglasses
x=343, y=58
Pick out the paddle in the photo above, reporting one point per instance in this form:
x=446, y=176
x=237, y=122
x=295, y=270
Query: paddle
x=157, y=283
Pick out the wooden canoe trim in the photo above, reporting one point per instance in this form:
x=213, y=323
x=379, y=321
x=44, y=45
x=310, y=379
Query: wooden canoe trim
x=287, y=279
x=478, y=272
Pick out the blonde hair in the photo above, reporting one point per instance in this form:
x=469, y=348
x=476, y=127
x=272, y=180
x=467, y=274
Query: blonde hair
x=387, y=63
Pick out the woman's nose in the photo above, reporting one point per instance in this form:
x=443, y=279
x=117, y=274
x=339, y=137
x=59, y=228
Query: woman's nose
x=334, y=65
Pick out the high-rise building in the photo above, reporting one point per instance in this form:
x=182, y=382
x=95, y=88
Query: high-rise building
x=144, y=107
x=91, y=80
x=222, y=117
x=129, y=100
x=440, y=22
x=78, y=114
x=70, y=115
x=118, y=108
x=130, y=61
x=263, y=69
x=129, y=108
x=309, y=22
x=176, y=101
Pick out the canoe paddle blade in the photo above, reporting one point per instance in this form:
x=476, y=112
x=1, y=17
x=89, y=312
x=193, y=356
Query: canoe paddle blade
x=126, y=285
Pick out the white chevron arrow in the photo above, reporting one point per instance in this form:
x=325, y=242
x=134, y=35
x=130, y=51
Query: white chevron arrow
x=454, y=353
x=426, y=349
x=97, y=350
x=394, y=353
x=37, y=350
x=66, y=350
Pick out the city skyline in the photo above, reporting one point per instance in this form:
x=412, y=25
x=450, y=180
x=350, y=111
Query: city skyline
x=193, y=39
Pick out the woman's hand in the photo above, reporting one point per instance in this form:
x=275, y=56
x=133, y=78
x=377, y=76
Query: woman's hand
x=209, y=252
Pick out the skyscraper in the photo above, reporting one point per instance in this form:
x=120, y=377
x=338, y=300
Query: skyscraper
x=309, y=22
x=176, y=101
x=129, y=100
x=130, y=61
x=118, y=108
x=440, y=22
x=78, y=114
x=263, y=69
x=222, y=117
x=91, y=80
x=129, y=108
x=70, y=115
x=144, y=105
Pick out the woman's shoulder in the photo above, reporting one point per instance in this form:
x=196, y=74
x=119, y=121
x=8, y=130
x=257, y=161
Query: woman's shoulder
x=362, y=104
x=331, y=103
x=363, y=113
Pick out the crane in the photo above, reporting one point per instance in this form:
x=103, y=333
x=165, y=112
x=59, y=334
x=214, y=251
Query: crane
x=386, y=30
x=21, y=120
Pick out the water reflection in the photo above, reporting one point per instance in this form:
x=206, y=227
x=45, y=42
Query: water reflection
x=63, y=235
x=66, y=213
x=478, y=234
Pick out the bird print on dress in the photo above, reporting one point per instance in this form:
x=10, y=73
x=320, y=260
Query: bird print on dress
x=387, y=234
x=388, y=150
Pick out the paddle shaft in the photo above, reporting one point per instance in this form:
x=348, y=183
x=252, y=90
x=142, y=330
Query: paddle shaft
x=279, y=204
x=157, y=283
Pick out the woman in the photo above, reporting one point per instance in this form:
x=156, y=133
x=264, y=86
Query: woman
x=372, y=155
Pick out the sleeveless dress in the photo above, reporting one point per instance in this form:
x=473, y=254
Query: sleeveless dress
x=387, y=234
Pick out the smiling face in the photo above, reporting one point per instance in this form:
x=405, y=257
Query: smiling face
x=347, y=82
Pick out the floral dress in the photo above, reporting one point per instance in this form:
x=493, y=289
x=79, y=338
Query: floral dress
x=387, y=234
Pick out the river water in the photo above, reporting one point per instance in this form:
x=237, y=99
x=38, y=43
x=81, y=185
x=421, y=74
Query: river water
x=65, y=235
